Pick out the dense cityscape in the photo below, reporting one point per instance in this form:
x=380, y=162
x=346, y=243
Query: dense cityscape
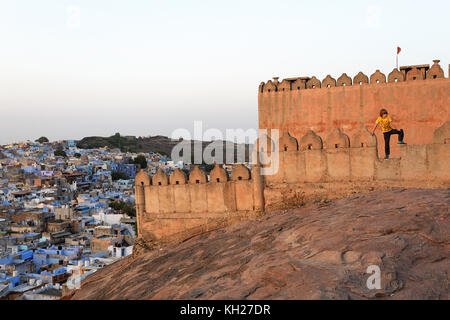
x=65, y=212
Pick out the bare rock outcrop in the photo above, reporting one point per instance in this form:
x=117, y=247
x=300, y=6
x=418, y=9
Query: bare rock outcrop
x=318, y=251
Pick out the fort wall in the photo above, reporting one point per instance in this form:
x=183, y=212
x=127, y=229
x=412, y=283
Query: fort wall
x=311, y=170
x=325, y=150
x=171, y=207
x=175, y=207
x=416, y=97
x=337, y=161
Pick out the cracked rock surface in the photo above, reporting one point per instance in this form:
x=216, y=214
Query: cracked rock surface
x=318, y=251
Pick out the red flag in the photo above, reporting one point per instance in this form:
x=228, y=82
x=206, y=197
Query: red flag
x=398, y=50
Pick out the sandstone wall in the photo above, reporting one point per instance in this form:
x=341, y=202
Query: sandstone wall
x=342, y=167
x=181, y=207
x=175, y=208
x=416, y=100
x=317, y=157
x=342, y=160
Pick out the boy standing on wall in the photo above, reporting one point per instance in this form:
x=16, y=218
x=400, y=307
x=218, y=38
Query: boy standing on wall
x=385, y=122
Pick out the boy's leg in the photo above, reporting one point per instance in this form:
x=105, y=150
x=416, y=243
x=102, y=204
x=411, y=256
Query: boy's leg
x=387, y=138
x=400, y=135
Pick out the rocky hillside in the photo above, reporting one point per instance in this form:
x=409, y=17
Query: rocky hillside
x=160, y=144
x=318, y=251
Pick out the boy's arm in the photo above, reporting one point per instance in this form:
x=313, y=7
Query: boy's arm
x=376, y=126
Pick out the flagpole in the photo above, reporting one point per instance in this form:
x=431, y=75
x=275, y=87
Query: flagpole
x=397, y=61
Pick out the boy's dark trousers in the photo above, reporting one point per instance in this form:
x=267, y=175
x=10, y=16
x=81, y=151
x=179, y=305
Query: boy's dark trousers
x=387, y=138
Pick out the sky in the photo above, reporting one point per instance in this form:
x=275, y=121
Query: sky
x=76, y=68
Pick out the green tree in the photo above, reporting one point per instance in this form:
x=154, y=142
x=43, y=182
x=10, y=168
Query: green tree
x=207, y=167
x=60, y=153
x=161, y=152
x=125, y=207
x=119, y=175
x=42, y=140
x=141, y=160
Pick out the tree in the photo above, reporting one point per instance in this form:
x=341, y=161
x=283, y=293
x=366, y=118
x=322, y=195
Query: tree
x=141, y=160
x=42, y=140
x=115, y=140
x=186, y=171
x=60, y=153
x=119, y=175
x=123, y=206
x=207, y=167
x=161, y=152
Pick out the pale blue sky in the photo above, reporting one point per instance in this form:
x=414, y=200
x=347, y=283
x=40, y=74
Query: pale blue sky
x=150, y=67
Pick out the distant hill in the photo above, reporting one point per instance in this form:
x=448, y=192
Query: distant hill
x=160, y=144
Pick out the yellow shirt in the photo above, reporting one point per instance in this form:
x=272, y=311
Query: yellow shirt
x=385, y=123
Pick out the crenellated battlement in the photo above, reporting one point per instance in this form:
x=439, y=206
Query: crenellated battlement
x=325, y=150
x=167, y=206
x=417, y=98
x=196, y=176
x=406, y=73
x=343, y=159
x=176, y=206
